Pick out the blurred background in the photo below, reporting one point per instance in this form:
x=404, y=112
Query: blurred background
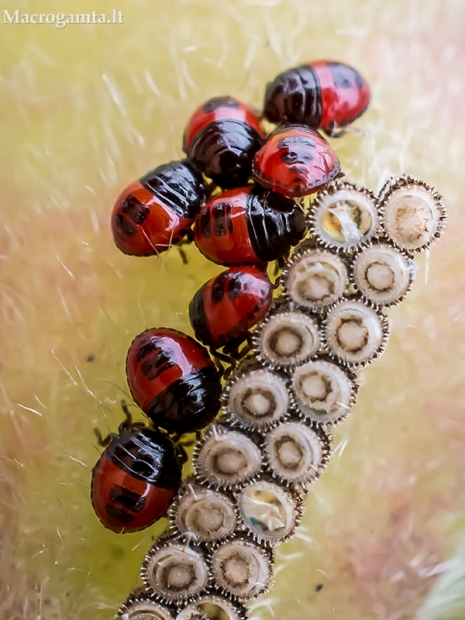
x=86, y=109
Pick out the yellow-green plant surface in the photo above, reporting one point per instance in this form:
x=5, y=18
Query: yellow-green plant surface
x=87, y=109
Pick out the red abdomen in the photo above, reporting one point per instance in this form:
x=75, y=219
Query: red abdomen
x=344, y=93
x=226, y=307
x=322, y=94
x=219, y=109
x=221, y=229
x=159, y=357
x=123, y=502
x=155, y=212
x=142, y=225
x=173, y=380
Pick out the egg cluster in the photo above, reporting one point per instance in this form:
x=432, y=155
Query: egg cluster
x=293, y=350
x=274, y=433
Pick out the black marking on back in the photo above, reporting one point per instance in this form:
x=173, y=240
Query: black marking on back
x=222, y=224
x=296, y=149
x=178, y=186
x=151, y=346
x=220, y=102
x=204, y=223
x=120, y=515
x=147, y=455
x=219, y=287
x=124, y=226
x=341, y=74
x=227, y=283
x=126, y=499
x=359, y=83
x=235, y=285
x=156, y=365
x=156, y=357
x=135, y=210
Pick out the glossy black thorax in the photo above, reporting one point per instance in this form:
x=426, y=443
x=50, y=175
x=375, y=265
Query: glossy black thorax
x=148, y=455
x=188, y=404
x=178, y=186
x=275, y=223
x=224, y=151
x=294, y=96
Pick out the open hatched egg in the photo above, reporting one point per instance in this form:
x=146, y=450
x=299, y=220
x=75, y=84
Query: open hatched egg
x=383, y=275
x=140, y=607
x=203, y=514
x=344, y=216
x=323, y=391
x=296, y=453
x=215, y=607
x=257, y=398
x=412, y=213
x=241, y=569
x=175, y=572
x=192, y=613
x=269, y=513
x=286, y=338
x=355, y=334
x=314, y=278
x=226, y=458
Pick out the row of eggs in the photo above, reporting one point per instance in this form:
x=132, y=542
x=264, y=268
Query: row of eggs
x=252, y=465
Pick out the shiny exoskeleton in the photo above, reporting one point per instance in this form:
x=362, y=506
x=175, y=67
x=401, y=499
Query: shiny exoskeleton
x=227, y=306
x=221, y=140
x=247, y=226
x=135, y=479
x=173, y=380
x=157, y=211
x=322, y=94
x=295, y=161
